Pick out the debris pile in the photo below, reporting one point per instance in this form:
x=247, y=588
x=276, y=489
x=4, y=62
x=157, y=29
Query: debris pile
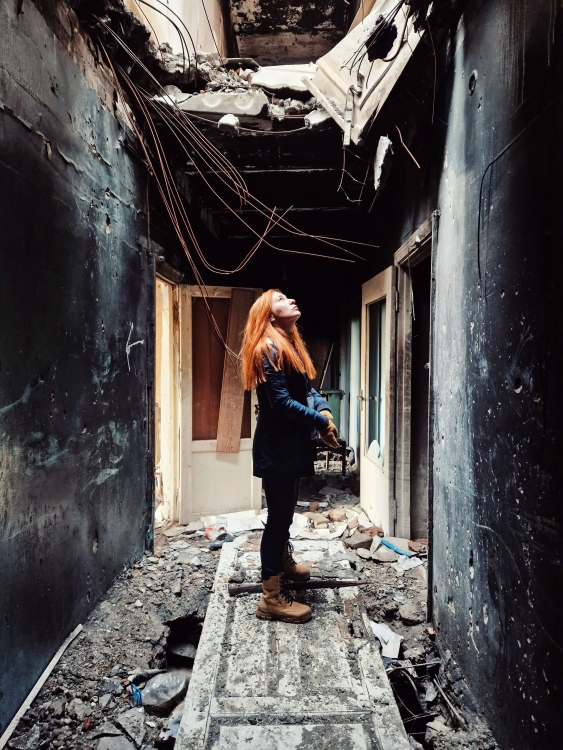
x=121, y=683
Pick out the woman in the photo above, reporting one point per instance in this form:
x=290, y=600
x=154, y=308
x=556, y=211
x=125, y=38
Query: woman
x=275, y=361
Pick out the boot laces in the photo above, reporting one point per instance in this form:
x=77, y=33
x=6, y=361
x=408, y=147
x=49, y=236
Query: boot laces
x=289, y=555
x=285, y=593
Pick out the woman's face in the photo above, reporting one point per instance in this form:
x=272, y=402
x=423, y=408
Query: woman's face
x=285, y=312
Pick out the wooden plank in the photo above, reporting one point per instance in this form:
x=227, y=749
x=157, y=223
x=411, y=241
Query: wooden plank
x=207, y=364
x=232, y=393
x=416, y=248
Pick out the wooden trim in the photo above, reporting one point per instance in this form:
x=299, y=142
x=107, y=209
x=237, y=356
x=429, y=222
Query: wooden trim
x=416, y=248
x=411, y=253
x=185, y=390
x=232, y=391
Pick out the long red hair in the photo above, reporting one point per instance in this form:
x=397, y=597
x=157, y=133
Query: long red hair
x=259, y=333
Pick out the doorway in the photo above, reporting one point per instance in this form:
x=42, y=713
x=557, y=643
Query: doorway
x=217, y=417
x=376, y=398
x=395, y=390
x=413, y=262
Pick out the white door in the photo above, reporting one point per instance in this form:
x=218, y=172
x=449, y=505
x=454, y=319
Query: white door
x=215, y=449
x=377, y=379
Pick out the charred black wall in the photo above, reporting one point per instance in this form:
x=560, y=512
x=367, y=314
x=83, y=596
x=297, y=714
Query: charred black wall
x=498, y=368
x=74, y=297
x=492, y=164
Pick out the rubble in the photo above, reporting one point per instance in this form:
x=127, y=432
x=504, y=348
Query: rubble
x=251, y=103
x=283, y=79
x=133, y=723
x=86, y=703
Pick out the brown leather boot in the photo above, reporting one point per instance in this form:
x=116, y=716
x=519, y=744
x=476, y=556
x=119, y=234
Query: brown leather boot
x=277, y=604
x=291, y=569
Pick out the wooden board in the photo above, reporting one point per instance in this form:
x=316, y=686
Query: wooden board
x=232, y=392
x=207, y=363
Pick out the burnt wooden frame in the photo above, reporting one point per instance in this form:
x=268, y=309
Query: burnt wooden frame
x=413, y=251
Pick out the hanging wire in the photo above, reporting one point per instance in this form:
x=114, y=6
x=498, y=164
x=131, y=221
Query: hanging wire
x=187, y=134
x=207, y=149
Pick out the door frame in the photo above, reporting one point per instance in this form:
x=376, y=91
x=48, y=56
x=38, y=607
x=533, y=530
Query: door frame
x=168, y=275
x=417, y=248
x=186, y=494
x=376, y=482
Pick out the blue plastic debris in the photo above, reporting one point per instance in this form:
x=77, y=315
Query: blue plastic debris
x=136, y=698
x=396, y=549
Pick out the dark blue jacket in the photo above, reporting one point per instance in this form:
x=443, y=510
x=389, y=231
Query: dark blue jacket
x=283, y=441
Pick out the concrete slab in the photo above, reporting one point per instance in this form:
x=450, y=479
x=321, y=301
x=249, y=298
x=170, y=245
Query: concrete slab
x=215, y=104
x=270, y=685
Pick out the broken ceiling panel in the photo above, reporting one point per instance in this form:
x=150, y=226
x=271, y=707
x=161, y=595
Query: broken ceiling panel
x=287, y=31
x=355, y=78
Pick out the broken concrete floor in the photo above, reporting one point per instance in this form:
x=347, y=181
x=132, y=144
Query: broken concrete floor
x=268, y=674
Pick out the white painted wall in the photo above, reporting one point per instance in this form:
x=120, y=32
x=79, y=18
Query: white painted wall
x=192, y=13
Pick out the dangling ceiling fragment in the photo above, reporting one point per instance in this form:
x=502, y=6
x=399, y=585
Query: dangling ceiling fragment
x=355, y=78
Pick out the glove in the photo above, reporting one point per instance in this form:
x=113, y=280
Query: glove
x=330, y=434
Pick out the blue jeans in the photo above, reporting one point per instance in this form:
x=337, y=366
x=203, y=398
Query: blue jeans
x=282, y=493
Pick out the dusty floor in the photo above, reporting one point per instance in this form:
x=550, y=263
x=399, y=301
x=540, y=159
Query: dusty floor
x=151, y=619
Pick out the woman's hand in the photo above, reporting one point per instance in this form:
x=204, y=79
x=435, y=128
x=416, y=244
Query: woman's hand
x=329, y=436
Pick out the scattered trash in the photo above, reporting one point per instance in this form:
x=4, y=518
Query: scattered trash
x=390, y=641
x=136, y=698
x=195, y=562
x=406, y=563
x=162, y=692
x=220, y=540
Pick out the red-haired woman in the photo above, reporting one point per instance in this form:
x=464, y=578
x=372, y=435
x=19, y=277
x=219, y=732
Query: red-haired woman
x=276, y=362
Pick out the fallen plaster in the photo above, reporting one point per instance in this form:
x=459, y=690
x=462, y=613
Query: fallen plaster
x=259, y=684
x=250, y=103
x=277, y=78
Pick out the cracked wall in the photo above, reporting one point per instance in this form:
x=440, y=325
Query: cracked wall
x=74, y=301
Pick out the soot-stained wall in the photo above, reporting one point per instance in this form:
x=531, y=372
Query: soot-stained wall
x=497, y=369
x=74, y=296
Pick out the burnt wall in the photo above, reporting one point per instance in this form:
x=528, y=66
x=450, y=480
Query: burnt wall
x=74, y=296
x=497, y=369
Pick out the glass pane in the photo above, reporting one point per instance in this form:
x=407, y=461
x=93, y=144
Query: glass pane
x=376, y=382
